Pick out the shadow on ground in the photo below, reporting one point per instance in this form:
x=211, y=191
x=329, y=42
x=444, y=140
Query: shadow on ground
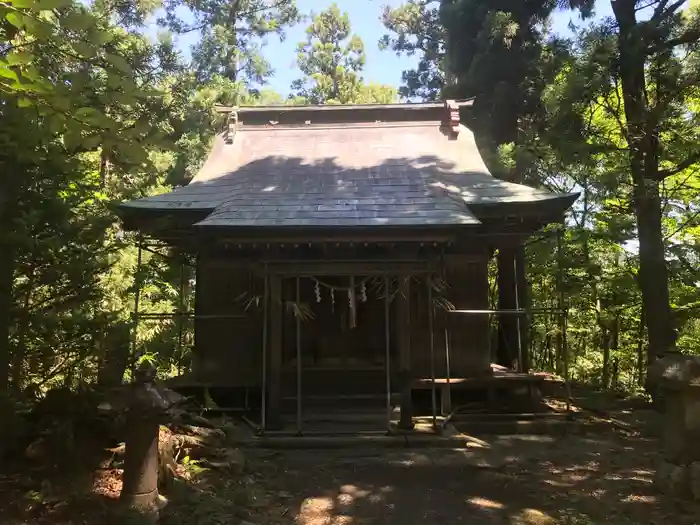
x=523, y=480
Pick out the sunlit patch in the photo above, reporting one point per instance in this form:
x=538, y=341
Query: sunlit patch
x=316, y=505
x=413, y=459
x=574, y=477
x=354, y=491
x=345, y=500
x=321, y=511
x=555, y=483
x=485, y=503
x=532, y=517
x=598, y=493
x=270, y=188
x=613, y=477
x=638, y=498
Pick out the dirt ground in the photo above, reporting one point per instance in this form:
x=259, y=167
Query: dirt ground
x=601, y=477
x=511, y=480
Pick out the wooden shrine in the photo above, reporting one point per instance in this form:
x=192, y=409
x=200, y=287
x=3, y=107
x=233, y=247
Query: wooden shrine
x=331, y=244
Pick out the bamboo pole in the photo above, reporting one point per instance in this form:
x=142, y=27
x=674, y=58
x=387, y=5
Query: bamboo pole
x=137, y=298
x=563, y=316
x=188, y=315
x=387, y=340
x=298, y=337
x=431, y=315
x=517, y=319
x=514, y=311
x=448, y=390
x=263, y=405
x=181, y=307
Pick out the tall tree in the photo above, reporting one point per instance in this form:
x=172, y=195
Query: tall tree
x=498, y=54
x=656, y=80
x=60, y=67
x=232, y=34
x=642, y=69
x=415, y=29
x=332, y=59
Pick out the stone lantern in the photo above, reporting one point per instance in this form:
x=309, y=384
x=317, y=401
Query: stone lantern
x=678, y=378
x=147, y=405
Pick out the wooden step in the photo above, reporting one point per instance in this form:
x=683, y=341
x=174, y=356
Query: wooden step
x=333, y=381
x=329, y=402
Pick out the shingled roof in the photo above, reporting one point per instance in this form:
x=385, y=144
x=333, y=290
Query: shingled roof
x=345, y=166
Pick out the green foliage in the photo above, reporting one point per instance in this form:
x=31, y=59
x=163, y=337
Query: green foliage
x=331, y=60
x=232, y=34
x=93, y=111
x=415, y=29
x=556, y=115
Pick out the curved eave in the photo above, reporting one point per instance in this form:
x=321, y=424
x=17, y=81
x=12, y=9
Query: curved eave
x=135, y=215
x=550, y=208
x=139, y=215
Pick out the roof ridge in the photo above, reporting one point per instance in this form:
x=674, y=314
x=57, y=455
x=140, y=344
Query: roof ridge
x=220, y=108
x=309, y=125
x=447, y=112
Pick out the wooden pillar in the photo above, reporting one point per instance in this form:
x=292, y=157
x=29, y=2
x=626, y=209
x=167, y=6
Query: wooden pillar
x=470, y=351
x=511, y=277
x=403, y=323
x=507, y=350
x=274, y=399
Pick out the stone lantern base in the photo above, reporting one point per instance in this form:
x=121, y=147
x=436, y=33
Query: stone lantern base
x=678, y=470
x=678, y=480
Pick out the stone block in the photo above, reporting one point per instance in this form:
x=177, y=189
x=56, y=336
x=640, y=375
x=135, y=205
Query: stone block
x=678, y=377
x=673, y=479
x=676, y=371
x=681, y=426
x=695, y=480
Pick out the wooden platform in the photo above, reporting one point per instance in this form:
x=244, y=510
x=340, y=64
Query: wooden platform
x=490, y=382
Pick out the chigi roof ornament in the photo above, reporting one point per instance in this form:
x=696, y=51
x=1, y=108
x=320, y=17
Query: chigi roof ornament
x=232, y=124
x=450, y=120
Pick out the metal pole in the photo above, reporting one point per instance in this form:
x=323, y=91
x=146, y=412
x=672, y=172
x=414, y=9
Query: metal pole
x=263, y=405
x=431, y=315
x=448, y=390
x=563, y=316
x=181, y=307
x=565, y=345
x=517, y=318
x=387, y=339
x=298, y=323
x=137, y=297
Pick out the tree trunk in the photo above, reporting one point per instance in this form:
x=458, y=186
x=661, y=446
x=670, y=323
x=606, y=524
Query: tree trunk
x=614, y=347
x=104, y=167
x=115, y=360
x=605, y=343
x=22, y=328
x=644, y=165
x=7, y=271
x=640, y=348
x=8, y=248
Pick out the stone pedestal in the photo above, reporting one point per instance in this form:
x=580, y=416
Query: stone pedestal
x=678, y=472
x=146, y=404
x=140, y=483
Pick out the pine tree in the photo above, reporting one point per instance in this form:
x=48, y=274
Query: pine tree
x=332, y=59
x=415, y=29
x=232, y=35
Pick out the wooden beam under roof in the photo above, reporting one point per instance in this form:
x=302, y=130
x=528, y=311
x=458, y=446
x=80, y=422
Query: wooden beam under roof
x=338, y=107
